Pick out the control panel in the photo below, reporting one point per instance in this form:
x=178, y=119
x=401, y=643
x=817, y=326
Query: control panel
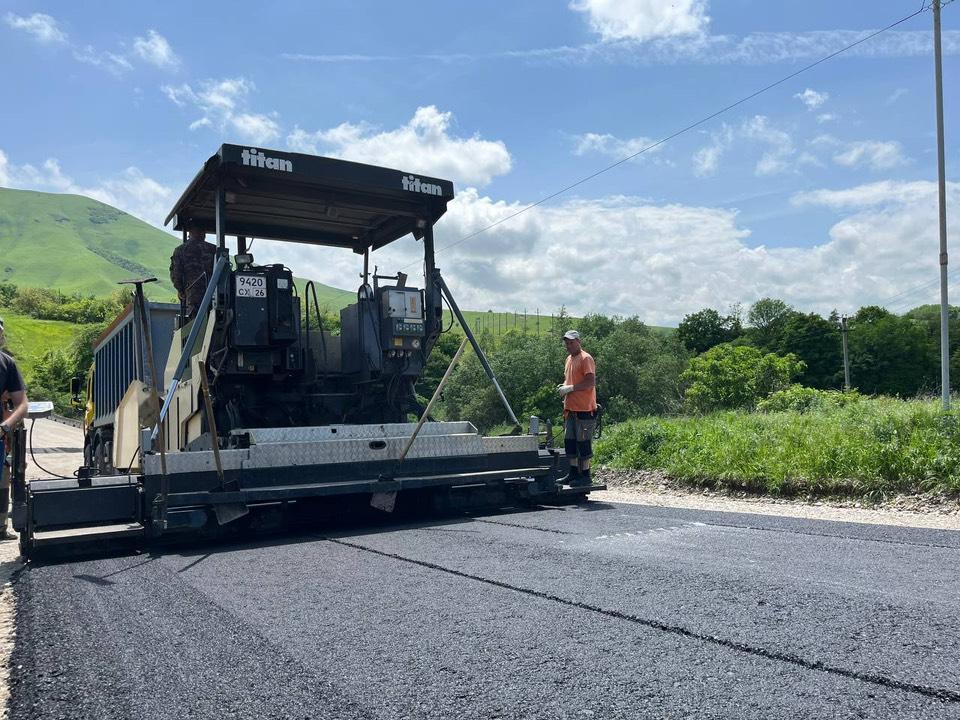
x=402, y=323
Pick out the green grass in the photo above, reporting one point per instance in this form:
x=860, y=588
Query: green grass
x=28, y=339
x=872, y=448
x=73, y=244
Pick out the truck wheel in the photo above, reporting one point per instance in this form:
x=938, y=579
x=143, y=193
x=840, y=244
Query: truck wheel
x=101, y=455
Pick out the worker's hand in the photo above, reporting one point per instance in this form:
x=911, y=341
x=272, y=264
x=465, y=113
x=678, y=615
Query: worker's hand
x=564, y=389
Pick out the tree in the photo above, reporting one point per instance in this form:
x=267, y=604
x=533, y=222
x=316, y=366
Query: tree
x=891, y=355
x=767, y=318
x=728, y=377
x=703, y=330
x=818, y=343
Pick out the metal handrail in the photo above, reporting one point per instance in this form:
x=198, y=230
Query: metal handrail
x=222, y=262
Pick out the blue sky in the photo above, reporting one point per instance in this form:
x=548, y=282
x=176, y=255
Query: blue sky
x=821, y=191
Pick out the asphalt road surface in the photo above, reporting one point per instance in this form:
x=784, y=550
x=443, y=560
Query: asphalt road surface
x=594, y=611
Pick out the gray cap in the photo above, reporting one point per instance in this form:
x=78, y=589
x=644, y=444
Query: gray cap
x=571, y=335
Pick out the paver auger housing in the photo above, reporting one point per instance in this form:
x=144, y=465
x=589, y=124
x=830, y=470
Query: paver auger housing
x=252, y=407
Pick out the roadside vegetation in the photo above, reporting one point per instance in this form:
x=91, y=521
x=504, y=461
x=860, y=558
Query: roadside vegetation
x=739, y=401
x=745, y=401
x=870, y=447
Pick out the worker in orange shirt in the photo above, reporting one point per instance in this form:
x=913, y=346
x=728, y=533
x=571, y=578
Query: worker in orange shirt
x=579, y=392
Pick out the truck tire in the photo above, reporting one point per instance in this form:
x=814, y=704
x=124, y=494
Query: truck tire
x=101, y=455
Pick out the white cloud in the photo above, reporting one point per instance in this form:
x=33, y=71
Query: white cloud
x=896, y=95
x=130, y=190
x=43, y=27
x=827, y=117
x=614, y=147
x=885, y=192
x=875, y=154
x=424, y=144
x=702, y=49
x=688, y=257
x=155, y=50
x=222, y=104
x=706, y=161
x=812, y=99
x=779, y=145
x=113, y=63
x=644, y=19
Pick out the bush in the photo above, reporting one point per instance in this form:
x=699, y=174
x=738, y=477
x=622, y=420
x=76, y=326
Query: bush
x=736, y=377
x=798, y=398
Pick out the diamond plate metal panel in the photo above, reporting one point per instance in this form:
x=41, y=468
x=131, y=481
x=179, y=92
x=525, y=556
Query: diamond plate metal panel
x=351, y=432
x=268, y=455
x=195, y=461
x=509, y=444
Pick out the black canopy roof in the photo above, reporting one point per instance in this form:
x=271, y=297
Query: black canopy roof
x=309, y=199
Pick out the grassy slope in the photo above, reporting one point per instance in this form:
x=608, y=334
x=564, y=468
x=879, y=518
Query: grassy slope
x=76, y=244
x=28, y=339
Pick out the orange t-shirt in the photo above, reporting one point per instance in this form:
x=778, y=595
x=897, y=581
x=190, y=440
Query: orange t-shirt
x=577, y=368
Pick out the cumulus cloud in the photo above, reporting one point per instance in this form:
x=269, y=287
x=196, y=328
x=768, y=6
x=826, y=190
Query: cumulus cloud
x=223, y=106
x=659, y=261
x=644, y=19
x=424, y=144
x=155, y=50
x=130, y=190
x=662, y=262
x=43, y=27
x=812, y=99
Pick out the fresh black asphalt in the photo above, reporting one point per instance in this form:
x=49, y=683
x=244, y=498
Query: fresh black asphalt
x=595, y=611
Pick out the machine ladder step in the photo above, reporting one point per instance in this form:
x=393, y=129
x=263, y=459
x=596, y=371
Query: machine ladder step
x=87, y=534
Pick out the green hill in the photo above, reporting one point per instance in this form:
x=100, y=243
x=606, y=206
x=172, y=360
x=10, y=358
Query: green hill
x=73, y=243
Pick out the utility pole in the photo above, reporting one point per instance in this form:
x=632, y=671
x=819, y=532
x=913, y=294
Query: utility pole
x=846, y=356
x=942, y=193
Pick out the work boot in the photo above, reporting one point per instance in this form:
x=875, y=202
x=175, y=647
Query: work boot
x=582, y=479
x=571, y=477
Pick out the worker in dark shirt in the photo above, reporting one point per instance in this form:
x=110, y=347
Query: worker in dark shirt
x=191, y=266
x=13, y=398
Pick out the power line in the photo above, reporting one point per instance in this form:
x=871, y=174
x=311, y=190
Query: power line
x=684, y=130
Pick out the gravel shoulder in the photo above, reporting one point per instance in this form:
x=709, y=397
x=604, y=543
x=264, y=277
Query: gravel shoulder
x=640, y=487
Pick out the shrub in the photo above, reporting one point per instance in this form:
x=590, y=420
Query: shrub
x=736, y=377
x=798, y=398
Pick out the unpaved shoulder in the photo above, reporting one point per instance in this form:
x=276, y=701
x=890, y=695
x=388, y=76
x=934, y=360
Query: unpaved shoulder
x=643, y=488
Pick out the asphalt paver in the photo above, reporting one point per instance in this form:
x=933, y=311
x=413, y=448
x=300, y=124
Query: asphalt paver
x=593, y=611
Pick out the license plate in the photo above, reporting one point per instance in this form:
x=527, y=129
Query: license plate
x=254, y=286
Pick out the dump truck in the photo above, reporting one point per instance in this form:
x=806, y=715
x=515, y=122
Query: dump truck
x=120, y=360
x=254, y=406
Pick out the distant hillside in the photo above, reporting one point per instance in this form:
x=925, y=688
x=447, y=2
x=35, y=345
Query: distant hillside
x=76, y=244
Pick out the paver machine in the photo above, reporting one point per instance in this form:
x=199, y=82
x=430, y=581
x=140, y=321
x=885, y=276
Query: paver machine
x=259, y=407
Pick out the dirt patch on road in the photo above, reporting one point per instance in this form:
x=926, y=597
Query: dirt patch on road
x=644, y=487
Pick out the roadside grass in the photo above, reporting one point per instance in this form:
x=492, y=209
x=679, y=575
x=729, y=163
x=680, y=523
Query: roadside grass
x=872, y=448
x=28, y=339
